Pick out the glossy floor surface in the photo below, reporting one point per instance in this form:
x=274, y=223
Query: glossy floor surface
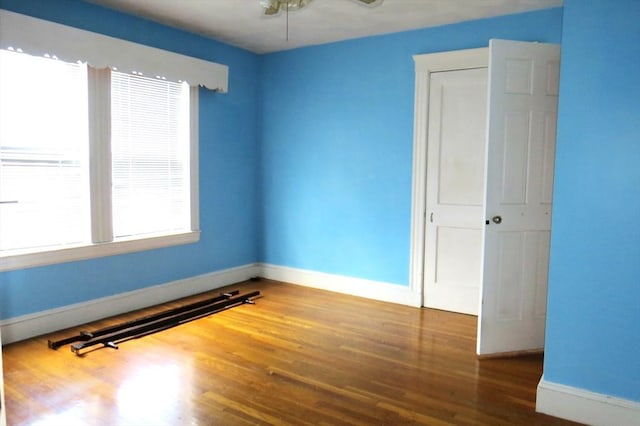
x=299, y=356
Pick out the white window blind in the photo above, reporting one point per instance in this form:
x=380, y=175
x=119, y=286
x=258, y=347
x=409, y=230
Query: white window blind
x=150, y=132
x=93, y=162
x=43, y=163
x=43, y=152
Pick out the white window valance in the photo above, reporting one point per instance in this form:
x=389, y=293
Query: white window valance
x=39, y=37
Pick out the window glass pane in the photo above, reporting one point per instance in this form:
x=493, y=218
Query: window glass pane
x=150, y=155
x=44, y=191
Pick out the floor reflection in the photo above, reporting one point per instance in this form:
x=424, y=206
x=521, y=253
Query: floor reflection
x=151, y=395
x=74, y=416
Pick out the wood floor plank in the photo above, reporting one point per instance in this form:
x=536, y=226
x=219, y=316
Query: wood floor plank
x=299, y=356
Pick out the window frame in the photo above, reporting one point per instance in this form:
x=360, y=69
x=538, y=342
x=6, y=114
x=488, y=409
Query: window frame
x=102, y=242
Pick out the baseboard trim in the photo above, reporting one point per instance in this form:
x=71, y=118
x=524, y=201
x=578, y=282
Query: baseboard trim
x=369, y=289
x=584, y=406
x=31, y=325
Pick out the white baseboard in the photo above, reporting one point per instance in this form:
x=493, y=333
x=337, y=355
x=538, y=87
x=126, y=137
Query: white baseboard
x=31, y=325
x=27, y=326
x=376, y=290
x=586, y=407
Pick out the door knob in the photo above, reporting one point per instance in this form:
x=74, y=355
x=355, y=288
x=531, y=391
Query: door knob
x=497, y=220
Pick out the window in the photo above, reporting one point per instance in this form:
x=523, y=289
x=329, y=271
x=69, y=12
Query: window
x=43, y=153
x=92, y=161
x=150, y=155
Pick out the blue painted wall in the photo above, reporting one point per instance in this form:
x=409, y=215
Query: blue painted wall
x=229, y=157
x=337, y=145
x=329, y=186
x=593, y=323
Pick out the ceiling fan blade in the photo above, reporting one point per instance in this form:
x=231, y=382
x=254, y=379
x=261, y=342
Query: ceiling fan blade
x=370, y=2
x=274, y=7
x=270, y=7
x=271, y=10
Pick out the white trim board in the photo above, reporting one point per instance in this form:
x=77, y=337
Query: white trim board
x=587, y=407
x=38, y=37
x=31, y=325
x=36, y=324
x=376, y=290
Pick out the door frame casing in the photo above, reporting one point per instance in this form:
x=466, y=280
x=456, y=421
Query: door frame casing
x=426, y=64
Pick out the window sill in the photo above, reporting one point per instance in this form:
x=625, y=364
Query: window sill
x=92, y=251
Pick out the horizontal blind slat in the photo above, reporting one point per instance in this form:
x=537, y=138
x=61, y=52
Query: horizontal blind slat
x=149, y=155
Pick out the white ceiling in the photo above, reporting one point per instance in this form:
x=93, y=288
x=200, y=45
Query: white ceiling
x=241, y=22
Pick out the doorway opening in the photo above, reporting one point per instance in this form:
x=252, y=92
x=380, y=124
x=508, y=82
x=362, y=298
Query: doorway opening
x=481, y=214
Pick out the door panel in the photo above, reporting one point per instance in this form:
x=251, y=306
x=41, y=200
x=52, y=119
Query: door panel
x=455, y=189
x=460, y=96
x=550, y=121
x=514, y=177
x=523, y=88
x=542, y=272
x=509, y=275
x=448, y=267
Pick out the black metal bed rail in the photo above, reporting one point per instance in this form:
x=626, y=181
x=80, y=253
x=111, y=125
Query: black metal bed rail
x=154, y=322
x=134, y=332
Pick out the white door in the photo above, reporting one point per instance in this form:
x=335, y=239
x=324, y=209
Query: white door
x=455, y=189
x=523, y=99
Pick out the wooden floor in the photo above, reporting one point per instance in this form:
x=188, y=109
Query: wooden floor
x=298, y=356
